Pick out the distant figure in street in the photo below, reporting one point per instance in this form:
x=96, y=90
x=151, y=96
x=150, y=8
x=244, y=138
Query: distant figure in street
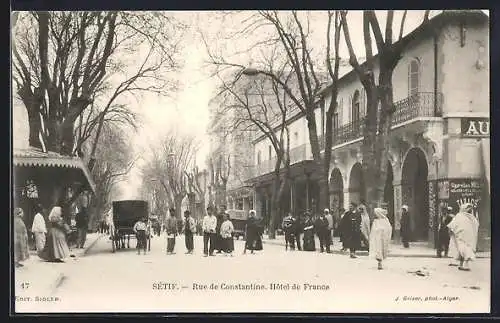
x=209, y=228
x=171, y=229
x=321, y=227
x=297, y=230
x=218, y=238
x=226, y=232
x=444, y=232
x=365, y=226
x=82, y=223
x=253, y=234
x=141, y=232
x=39, y=229
x=56, y=248
x=331, y=224
x=352, y=233
x=464, y=231
x=308, y=243
x=21, y=251
x=380, y=236
x=405, y=226
x=288, y=226
x=189, y=230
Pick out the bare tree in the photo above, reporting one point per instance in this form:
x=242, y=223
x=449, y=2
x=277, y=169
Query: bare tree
x=291, y=32
x=377, y=122
x=65, y=61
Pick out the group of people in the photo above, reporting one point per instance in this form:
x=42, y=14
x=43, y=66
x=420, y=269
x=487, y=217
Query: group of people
x=357, y=231
x=50, y=237
x=217, y=228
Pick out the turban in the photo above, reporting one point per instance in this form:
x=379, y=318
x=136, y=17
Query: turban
x=326, y=211
x=405, y=207
x=380, y=213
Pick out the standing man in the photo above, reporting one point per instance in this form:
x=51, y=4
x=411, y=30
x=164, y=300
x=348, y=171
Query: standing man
x=209, y=228
x=82, y=223
x=322, y=231
x=297, y=230
x=352, y=230
x=39, y=228
x=189, y=230
x=218, y=238
x=329, y=218
x=405, y=226
x=171, y=232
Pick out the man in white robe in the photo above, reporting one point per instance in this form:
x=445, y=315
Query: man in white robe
x=464, y=231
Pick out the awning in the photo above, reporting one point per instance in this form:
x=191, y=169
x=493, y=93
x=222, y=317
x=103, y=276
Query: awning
x=36, y=158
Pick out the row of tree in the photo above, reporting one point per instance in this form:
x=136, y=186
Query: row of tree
x=289, y=76
x=77, y=73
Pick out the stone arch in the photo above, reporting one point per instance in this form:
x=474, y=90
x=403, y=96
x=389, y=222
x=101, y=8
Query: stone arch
x=357, y=189
x=415, y=191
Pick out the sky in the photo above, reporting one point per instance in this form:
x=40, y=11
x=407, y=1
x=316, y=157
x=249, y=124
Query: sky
x=188, y=109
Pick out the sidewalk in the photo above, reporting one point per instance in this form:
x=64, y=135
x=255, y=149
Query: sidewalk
x=417, y=249
x=39, y=275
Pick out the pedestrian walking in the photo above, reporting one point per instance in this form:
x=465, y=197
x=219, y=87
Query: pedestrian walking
x=226, y=231
x=298, y=229
x=352, y=234
x=308, y=243
x=171, y=229
x=209, y=227
x=331, y=224
x=253, y=232
x=288, y=228
x=444, y=232
x=380, y=236
x=342, y=228
x=365, y=227
x=141, y=232
x=56, y=248
x=322, y=231
x=189, y=230
x=464, y=231
x=82, y=223
x=21, y=252
x=39, y=228
x=405, y=226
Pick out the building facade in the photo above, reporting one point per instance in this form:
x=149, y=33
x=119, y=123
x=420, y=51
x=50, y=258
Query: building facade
x=439, y=142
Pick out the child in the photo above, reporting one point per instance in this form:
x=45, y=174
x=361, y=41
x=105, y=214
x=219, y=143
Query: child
x=226, y=231
x=140, y=229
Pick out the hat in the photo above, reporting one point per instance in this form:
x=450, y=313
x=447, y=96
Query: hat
x=449, y=208
x=326, y=211
x=405, y=207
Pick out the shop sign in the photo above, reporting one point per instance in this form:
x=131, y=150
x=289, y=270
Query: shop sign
x=465, y=190
x=475, y=127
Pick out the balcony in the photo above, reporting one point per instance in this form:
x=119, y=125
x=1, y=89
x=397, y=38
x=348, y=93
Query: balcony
x=422, y=104
x=297, y=154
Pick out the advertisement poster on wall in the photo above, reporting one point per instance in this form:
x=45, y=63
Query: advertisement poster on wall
x=465, y=190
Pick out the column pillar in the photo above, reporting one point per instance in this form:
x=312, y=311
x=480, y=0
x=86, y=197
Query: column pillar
x=398, y=202
x=346, y=199
x=292, y=196
x=307, y=191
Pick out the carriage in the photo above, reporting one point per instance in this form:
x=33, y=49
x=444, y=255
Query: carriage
x=125, y=214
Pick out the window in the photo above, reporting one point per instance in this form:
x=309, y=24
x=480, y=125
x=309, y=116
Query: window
x=355, y=107
x=336, y=117
x=413, y=77
x=269, y=151
x=258, y=158
x=239, y=204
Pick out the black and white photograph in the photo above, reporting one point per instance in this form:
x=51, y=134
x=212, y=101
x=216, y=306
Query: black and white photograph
x=250, y=161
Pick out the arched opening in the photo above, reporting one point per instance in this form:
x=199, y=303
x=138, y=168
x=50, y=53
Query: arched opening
x=336, y=191
x=416, y=192
x=389, y=193
x=357, y=190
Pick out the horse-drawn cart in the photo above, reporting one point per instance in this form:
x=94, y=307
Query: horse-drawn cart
x=125, y=215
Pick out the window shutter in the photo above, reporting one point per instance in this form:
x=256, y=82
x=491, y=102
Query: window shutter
x=341, y=111
x=363, y=103
x=350, y=107
x=409, y=79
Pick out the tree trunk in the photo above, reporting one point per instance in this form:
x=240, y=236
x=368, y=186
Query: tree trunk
x=178, y=205
x=316, y=152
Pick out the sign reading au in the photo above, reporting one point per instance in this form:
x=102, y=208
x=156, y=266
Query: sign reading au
x=475, y=127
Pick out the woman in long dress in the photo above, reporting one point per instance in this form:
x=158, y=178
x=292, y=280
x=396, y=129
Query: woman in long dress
x=226, y=232
x=380, y=236
x=463, y=231
x=253, y=233
x=56, y=248
x=308, y=240
x=365, y=226
x=21, y=251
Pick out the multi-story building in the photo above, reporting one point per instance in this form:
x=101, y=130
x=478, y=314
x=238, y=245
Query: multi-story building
x=439, y=136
